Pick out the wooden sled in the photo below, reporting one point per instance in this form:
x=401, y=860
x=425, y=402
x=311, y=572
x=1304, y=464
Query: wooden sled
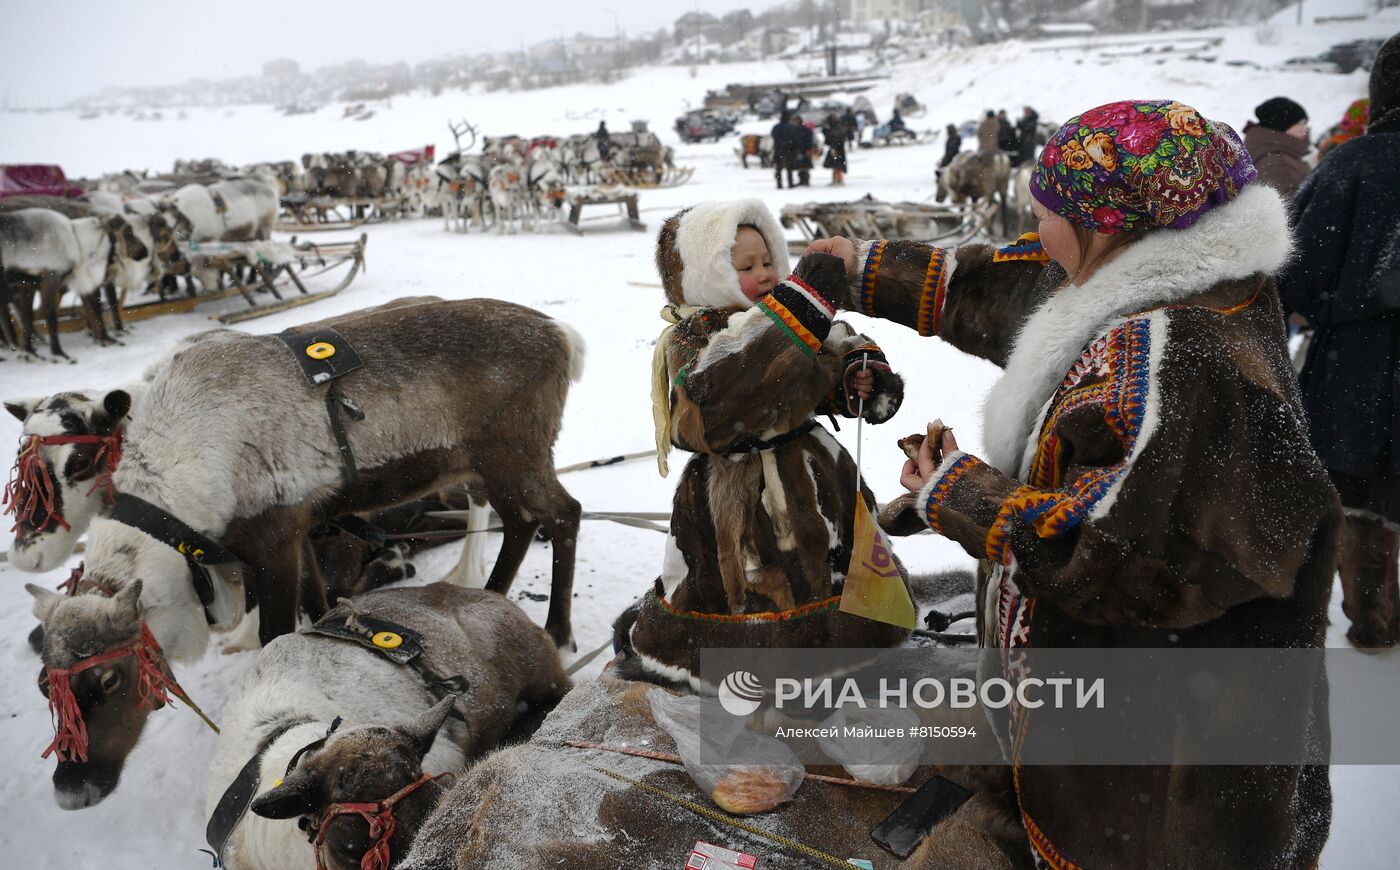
x=647, y=177
x=945, y=224
x=625, y=200
x=310, y=260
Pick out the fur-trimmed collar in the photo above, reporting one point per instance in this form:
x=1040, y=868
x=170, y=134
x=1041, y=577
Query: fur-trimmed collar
x=704, y=240
x=1246, y=236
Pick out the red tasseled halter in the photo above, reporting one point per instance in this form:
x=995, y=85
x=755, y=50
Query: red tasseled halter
x=154, y=682
x=379, y=816
x=31, y=486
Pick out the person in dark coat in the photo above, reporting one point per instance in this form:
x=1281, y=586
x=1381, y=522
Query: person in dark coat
x=1006, y=134
x=1026, y=132
x=848, y=121
x=782, y=134
x=1345, y=279
x=604, y=139
x=802, y=144
x=1277, y=144
x=834, y=132
x=951, y=149
x=896, y=121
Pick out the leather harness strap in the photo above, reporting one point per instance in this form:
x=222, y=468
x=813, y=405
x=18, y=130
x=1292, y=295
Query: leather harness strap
x=198, y=549
x=325, y=355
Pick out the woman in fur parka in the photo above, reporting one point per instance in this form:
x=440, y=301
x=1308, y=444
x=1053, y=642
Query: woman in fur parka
x=762, y=523
x=1148, y=480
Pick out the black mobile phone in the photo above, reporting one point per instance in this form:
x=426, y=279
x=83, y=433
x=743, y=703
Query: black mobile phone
x=903, y=830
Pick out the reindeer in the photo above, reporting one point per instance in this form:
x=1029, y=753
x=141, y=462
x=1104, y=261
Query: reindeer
x=237, y=210
x=70, y=446
x=46, y=253
x=977, y=176
x=256, y=484
x=754, y=145
x=510, y=199
x=543, y=186
x=391, y=730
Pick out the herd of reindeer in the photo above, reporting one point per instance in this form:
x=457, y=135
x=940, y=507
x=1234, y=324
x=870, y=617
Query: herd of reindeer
x=134, y=233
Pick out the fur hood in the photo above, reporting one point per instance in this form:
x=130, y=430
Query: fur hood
x=693, y=252
x=1247, y=236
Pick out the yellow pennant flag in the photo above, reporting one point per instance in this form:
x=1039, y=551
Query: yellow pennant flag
x=874, y=589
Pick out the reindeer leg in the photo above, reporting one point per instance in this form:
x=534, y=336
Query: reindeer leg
x=25, y=304
x=114, y=302
x=51, y=296
x=276, y=579
x=518, y=534
x=92, y=313
x=562, y=523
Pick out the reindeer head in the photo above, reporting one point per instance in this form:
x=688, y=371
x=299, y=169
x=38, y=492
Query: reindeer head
x=123, y=234
x=365, y=765
x=62, y=474
x=97, y=668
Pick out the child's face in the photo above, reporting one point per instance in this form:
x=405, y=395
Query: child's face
x=751, y=261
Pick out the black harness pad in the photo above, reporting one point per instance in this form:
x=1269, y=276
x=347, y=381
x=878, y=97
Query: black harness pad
x=233, y=805
x=323, y=354
x=389, y=639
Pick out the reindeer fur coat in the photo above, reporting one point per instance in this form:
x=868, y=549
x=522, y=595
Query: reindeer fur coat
x=763, y=513
x=1148, y=483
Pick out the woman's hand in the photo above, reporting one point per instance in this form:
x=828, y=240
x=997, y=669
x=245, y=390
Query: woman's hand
x=840, y=246
x=916, y=474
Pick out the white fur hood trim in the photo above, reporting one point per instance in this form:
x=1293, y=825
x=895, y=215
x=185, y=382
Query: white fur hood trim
x=1247, y=236
x=704, y=240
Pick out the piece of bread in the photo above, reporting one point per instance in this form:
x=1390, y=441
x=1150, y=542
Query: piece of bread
x=911, y=444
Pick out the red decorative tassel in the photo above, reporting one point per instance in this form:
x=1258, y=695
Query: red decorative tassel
x=30, y=487
x=70, y=732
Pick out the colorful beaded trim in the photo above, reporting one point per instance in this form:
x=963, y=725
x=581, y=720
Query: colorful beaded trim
x=867, y=280
x=935, y=287
x=940, y=491
x=814, y=608
x=800, y=335
x=1025, y=249
x=1053, y=509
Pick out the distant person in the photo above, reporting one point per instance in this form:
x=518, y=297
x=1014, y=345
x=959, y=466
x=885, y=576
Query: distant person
x=953, y=146
x=1353, y=124
x=1027, y=131
x=896, y=121
x=1277, y=142
x=987, y=133
x=1006, y=134
x=604, y=139
x=803, y=143
x=834, y=132
x=783, y=142
x=1345, y=279
x=848, y=120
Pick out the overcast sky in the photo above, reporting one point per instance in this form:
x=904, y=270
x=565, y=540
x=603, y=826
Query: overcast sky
x=56, y=50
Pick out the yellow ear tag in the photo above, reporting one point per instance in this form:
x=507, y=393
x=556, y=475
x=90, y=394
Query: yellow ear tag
x=321, y=350
x=276, y=782
x=387, y=640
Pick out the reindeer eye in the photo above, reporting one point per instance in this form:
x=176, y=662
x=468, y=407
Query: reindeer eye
x=111, y=680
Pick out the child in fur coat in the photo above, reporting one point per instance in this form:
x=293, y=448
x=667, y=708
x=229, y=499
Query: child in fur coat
x=762, y=521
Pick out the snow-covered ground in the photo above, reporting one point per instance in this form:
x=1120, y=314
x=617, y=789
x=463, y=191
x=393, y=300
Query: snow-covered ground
x=604, y=283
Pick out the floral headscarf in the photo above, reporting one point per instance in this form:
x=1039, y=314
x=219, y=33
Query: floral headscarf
x=1140, y=163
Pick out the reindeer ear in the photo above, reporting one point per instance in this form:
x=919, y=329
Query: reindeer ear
x=20, y=409
x=117, y=404
x=128, y=601
x=299, y=794
x=45, y=600
x=423, y=730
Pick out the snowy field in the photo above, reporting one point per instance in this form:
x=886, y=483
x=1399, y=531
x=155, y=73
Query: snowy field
x=604, y=283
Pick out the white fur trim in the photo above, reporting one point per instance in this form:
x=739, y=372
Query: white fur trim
x=704, y=240
x=926, y=491
x=1245, y=237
